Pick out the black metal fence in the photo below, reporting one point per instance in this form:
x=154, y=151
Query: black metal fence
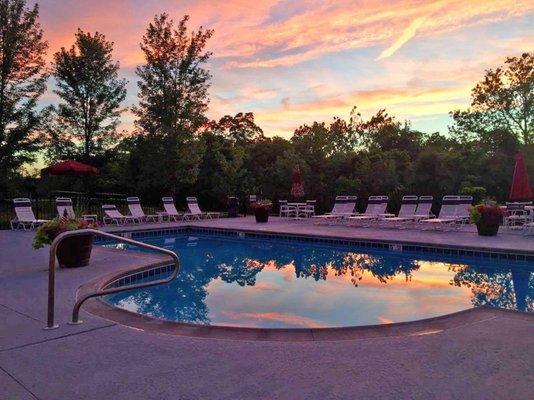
x=44, y=207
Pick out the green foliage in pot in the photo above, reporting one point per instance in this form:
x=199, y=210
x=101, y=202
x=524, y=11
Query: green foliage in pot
x=48, y=231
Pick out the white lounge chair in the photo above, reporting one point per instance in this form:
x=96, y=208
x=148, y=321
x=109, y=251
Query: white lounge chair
x=195, y=212
x=376, y=209
x=64, y=207
x=134, y=205
x=343, y=207
x=111, y=214
x=406, y=213
x=454, y=210
x=424, y=208
x=462, y=209
x=170, y=210
x=24, y=216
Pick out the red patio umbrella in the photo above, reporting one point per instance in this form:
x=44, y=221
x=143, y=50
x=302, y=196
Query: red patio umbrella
x=69, y=167
x=520, y=187
x=297, y=189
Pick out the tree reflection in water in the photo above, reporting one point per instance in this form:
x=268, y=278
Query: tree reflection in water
x=511, y=288
x=216, y=261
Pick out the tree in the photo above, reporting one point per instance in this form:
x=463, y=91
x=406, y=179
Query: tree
x=503, y=100
x=241, y=129
x=85, y=123
x=173, y=85
x=173, y=93
x=22, y=81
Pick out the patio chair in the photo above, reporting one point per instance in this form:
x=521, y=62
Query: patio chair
x=450, y=213
x=286, y=210
x=340, y=209
x=194, y=211
x=170, y=210
x=516, y=214
x=134, y=205
x=64, y=206
x=111, y=214
x=309, y=210
x=24, y=216
x=376, y=208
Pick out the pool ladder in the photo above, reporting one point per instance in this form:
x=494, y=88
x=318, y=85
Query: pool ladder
x=102, y=292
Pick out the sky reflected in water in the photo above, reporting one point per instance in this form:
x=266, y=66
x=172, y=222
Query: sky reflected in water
x=276, y=284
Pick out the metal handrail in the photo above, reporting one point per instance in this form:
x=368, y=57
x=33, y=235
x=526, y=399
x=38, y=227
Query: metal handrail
x=81, y=300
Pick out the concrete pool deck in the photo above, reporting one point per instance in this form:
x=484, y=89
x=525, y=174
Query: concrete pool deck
x=490, y=358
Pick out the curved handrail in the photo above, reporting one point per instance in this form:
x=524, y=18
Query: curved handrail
x=81, y=300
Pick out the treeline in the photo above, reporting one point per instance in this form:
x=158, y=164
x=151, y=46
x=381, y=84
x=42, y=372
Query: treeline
x=175, y=149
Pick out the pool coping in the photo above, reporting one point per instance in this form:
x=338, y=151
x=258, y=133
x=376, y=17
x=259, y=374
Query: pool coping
x=433, y=325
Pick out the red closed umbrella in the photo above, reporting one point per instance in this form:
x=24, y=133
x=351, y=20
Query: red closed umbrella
x=69, y=167
x=297, y=189
x=520, y=187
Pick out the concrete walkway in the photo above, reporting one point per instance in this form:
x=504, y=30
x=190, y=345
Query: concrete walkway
x=490, y=359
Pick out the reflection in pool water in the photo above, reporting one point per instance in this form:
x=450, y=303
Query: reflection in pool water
x=276, y=284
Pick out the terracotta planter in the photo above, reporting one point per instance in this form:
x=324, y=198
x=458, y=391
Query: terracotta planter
x=74, y=252
x=487, y=229
x=261, y=214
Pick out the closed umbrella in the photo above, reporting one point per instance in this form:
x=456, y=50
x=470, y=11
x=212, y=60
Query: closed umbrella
x=297, y=189
x=520, y=186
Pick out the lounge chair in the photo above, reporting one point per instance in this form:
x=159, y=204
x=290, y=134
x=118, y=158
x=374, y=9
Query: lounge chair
x=24, y=216
x=196, y=213
x=111, y=214
x=170, y=210
x=134, y=205
x=64, y=207
x=406, y=213
x=424, y=208
x=343, y=207
x=412, y=210
x=462, y=209
x=454, y=210
x=376, y=209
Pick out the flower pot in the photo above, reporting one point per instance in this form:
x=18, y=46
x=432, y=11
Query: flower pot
x=74, y=252
x=485, y=228
x=261, y=214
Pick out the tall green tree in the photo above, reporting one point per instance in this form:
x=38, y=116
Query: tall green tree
x=503, y=100
x=173, y=93
x=22, y=81
x=85, y=123
x=241, y=128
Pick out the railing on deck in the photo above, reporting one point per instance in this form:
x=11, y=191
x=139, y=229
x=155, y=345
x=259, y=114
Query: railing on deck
x=100, y=292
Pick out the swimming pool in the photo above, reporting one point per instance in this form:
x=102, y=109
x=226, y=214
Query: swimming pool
x=272, y=283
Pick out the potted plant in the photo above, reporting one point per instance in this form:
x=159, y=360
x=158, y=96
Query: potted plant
x=261, y=210
x=487, y=218
x=72, y=252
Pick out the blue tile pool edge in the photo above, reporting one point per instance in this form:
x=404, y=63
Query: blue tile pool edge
x=400, y=246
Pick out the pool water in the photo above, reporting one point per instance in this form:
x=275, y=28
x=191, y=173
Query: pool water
x=271, y=283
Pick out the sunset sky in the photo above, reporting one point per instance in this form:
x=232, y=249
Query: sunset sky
x=293, y=62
